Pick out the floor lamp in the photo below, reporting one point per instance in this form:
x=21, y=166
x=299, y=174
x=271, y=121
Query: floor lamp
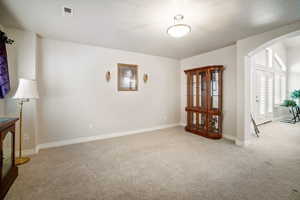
x=27, y=90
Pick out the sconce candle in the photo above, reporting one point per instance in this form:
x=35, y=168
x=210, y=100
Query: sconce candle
x=108, y=76
x=145, y=78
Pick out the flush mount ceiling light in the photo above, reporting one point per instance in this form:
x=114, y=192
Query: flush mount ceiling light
x=178, y=29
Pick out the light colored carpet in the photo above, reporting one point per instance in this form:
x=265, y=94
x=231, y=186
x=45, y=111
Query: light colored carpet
x=167, y=164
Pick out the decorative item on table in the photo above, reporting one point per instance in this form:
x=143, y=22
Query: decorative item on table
x=146, y=77
x=289, y=103
x=293, y=109
x=27, y=90
x=296, y=95
x=127, y=77
x=108, y=76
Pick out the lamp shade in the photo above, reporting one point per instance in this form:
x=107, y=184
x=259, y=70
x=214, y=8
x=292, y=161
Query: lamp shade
x=27, y=89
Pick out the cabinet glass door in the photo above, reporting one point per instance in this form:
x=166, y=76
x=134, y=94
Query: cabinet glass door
x=194, y=89
x=198, y=121
x=189, y=90
x=7, y=154
x=202, y=90
x=202, y=121
x=215, y=90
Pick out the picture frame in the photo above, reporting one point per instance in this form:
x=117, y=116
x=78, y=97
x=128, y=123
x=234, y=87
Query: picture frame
x=127, y=77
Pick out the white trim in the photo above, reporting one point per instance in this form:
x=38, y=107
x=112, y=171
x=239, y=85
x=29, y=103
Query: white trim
x=35, y=151
x=99, y=137
x=229, y=137
x=27, y=152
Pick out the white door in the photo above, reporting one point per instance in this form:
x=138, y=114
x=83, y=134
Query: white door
x=264, y=96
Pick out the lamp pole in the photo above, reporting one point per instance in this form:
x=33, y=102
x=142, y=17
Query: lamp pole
x=20, y=128
x=21, y=160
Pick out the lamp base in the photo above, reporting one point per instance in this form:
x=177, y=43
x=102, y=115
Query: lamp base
x=22, y=160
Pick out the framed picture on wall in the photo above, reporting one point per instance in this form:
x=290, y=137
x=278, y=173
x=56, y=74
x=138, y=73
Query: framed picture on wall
x=127, y=77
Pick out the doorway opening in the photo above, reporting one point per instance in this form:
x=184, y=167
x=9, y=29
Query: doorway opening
x=275, y=88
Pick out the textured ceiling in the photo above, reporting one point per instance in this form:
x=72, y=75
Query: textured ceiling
x=140, y=25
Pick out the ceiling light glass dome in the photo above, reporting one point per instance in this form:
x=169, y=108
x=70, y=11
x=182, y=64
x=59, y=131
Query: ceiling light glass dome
x=178, y=29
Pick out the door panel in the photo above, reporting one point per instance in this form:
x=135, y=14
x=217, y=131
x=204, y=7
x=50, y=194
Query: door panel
x=264, y=96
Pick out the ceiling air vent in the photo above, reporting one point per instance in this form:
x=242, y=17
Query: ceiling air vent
x=67, y=11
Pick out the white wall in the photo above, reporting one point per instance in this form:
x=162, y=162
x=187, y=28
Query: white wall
x=22, y=64
x=76, y=101
x=244, y=48
x=227, y=57
x=294, y=68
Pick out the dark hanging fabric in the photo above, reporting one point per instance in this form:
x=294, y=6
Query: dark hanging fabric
x=4, y=75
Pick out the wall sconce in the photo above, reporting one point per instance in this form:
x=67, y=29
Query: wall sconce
x=108, y=76
x=146, y=77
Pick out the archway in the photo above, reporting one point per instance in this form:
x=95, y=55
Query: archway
x=249, y=79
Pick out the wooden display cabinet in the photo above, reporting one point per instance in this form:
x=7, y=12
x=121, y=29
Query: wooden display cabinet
x=8, y=169
x=204, y=101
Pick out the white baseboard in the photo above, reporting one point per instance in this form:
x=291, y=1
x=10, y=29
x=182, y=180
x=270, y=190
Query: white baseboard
x=27, y=152
x=229, y=137
x=98, y=137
